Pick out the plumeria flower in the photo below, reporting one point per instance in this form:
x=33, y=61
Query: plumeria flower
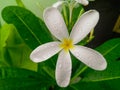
x=67, y=43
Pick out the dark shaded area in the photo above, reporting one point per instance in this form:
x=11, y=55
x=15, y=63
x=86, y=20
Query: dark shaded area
x=109, y=12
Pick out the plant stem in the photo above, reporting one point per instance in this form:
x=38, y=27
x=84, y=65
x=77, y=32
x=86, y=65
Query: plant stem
x=70, y=15
x=46, y=70
x=79, y=72
x=20, y=3
x=91, y=36
x=40, y=6
x=65, y=15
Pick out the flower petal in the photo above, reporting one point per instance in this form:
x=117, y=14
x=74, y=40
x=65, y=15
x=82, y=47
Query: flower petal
x=84, y=25
x=54, y=21
x=89, y=57
x=63, y=69
x=58, y=4
x=83, y=2
x=45, y=51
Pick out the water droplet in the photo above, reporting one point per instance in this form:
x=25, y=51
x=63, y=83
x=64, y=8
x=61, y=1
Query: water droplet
x=44, y=57
x=60, y=66
x=64, y=83
x=77, y=54
x=52, y=45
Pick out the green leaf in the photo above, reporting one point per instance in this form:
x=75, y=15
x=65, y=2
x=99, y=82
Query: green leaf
x=104, y=85
x=18, y=56
x=16, y=52
x=0, y=24
x=47, y=69
x=111, y=51
x=32, y=30
x=87, y=86
x=13, y=51
x=4, y=3
x=20, y=79
x=4, y=33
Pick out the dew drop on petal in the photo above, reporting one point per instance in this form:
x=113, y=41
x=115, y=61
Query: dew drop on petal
x=60, y=66
x=77, y=54
x=64, y=82
x=44, y=57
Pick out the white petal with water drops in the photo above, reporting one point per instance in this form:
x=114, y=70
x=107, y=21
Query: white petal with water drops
x=84, y=25
x=55, y=23
x=63, y=69
x=89, y=57
x=45, y=51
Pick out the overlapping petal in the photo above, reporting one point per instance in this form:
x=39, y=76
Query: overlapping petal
x=84, y=25
x=89, y=57
x=55, y=23
x=45, y=51
x=63, y=69
x=83, y=2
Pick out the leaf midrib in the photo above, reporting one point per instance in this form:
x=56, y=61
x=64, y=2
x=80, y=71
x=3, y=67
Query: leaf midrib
x=30, y=30
x=111, y=49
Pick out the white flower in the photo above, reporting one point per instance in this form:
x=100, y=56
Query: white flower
x=66, y=43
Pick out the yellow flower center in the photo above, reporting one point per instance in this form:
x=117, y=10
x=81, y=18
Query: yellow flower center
x=67, y=44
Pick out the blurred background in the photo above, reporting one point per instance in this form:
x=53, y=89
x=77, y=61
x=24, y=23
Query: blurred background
x=109, y=23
